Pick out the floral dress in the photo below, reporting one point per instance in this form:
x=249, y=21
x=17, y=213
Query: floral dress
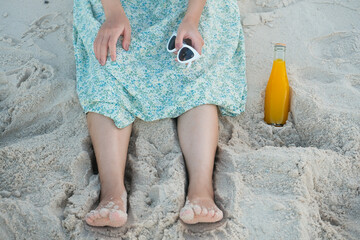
x=145, y=81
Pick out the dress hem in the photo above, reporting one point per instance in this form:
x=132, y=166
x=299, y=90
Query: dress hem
x=175, y=115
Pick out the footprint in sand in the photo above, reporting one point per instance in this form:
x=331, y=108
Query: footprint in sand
x=313, y=74
x=273, y=4
x=344, y=46
x=44, y=25
x=354, y=80
x=32, y=73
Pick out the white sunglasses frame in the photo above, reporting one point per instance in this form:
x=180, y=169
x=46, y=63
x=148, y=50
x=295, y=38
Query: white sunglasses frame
x=196, y=54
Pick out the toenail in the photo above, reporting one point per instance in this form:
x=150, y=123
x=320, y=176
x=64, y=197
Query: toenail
x=186, y=214
x=186, y=208
x=204, y=211
x=212, y=212
x=197, y=209
x=219, y=213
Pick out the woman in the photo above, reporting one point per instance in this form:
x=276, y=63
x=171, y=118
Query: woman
x=141, y=79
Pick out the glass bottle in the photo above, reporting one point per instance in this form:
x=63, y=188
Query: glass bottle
x=277, y=93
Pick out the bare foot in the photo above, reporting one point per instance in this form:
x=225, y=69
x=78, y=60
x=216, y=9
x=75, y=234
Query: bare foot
x=200, y=209
x=110, y=212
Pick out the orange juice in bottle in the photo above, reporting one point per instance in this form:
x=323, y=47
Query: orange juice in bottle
x=277, y=93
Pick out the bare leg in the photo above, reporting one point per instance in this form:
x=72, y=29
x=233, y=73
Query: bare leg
x=198, y=135
x=111, y=146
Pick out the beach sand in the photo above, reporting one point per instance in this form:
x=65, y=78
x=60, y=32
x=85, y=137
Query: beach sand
x=299, y=181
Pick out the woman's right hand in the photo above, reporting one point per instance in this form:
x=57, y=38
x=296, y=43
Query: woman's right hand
x=115, y=25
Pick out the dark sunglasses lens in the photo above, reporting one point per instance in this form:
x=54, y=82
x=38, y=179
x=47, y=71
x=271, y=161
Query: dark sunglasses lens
x=172, y=43
x=185, y=54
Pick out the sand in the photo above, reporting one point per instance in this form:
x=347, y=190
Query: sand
x=300, y=181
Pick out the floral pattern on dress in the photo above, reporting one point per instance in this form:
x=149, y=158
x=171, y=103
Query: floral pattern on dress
x=146, y=82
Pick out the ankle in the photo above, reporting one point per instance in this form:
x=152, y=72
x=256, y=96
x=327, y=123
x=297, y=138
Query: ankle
x=112, y=193
x=201, y=183
x=200, y=190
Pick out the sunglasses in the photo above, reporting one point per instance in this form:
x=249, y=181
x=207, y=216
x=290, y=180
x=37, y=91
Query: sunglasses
x=186, y=53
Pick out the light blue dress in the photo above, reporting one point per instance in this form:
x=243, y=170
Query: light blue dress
x=146, y=82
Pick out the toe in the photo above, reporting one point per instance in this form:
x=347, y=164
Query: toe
x=88, y=218
x=211, y=213
x=218, y=214
x=197, y=209
x=204, y=211
x=92, y=214
x=117, y=217
x=104, y=212
x=87, y=215
x=186, y=213
x=96, y=215
x=89, y=221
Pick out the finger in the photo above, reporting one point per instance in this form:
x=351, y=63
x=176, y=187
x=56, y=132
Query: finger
x=127, y=38
x=96, y=48
x=179, y=40
x=112, y=46
x=104, y=49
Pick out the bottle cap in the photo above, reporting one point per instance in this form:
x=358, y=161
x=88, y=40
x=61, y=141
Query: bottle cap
x=280, y=46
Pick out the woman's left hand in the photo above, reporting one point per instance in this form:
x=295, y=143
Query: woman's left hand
x=188, y=29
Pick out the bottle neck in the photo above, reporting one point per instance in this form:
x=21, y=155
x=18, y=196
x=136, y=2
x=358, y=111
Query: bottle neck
x=279, y=54
x=279, y=51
